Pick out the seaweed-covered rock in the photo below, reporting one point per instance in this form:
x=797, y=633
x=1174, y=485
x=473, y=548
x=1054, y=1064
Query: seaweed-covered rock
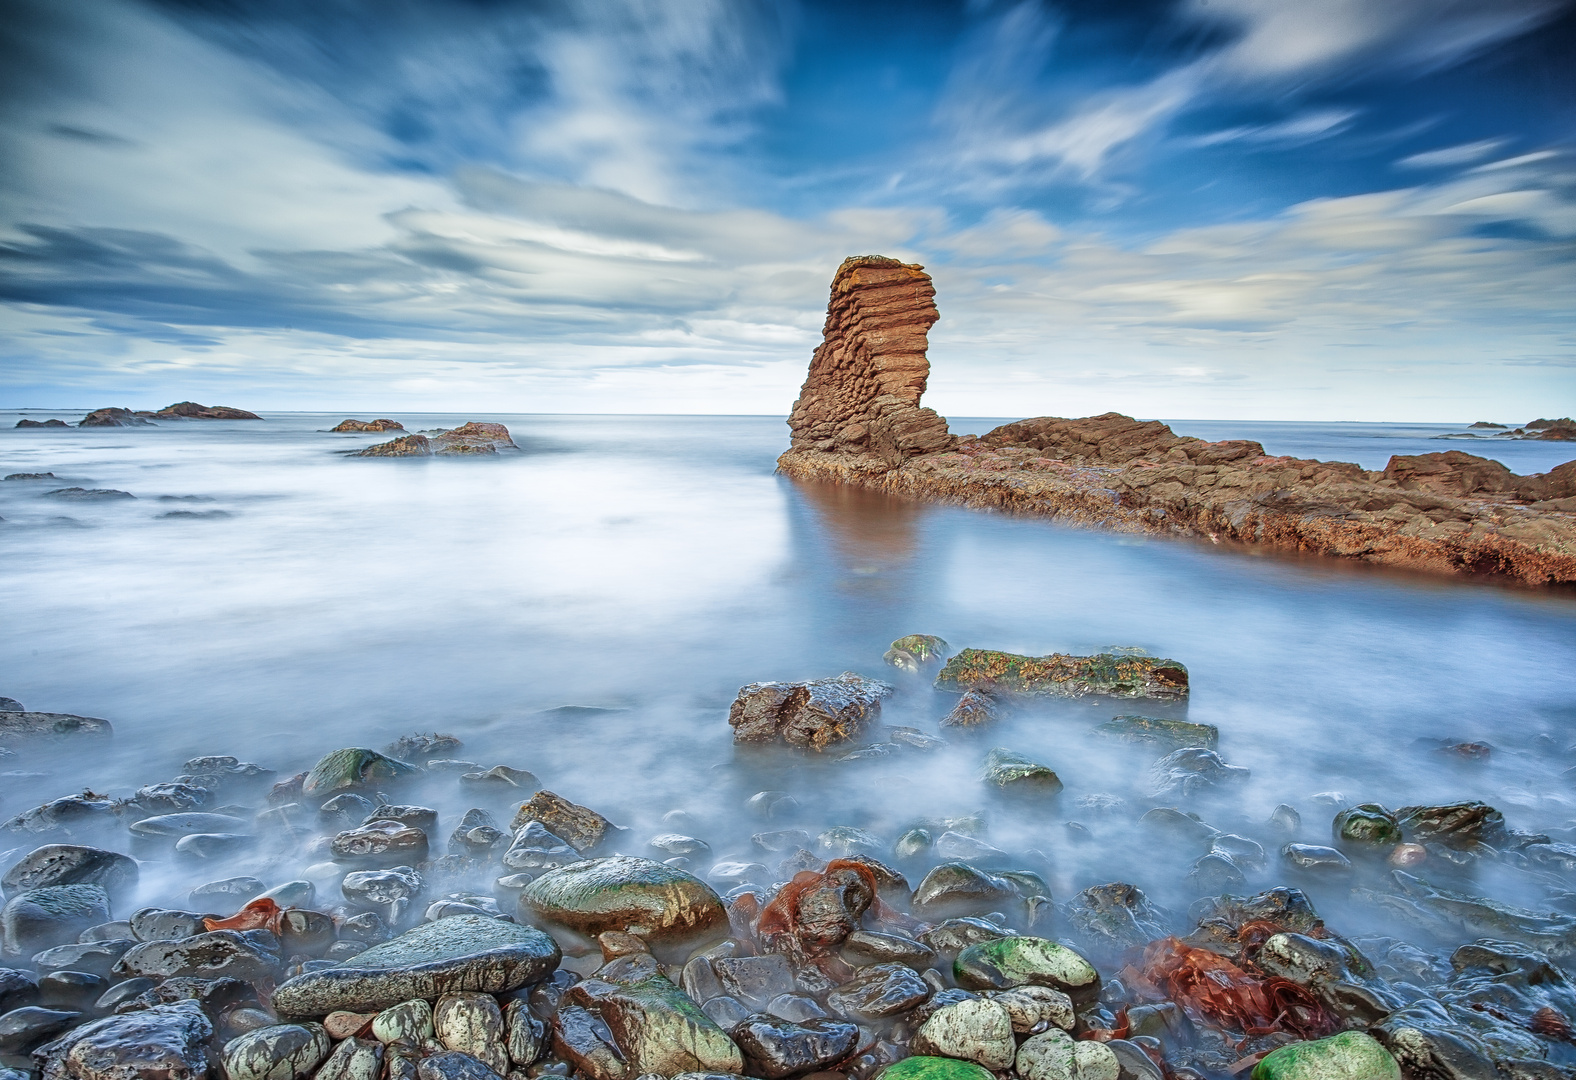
x=915, y=652
x=461, y=953
x=924, y=1067
x=1351, y=1055
x=1160, y=732
x=807, y=715
x=976, y=708
x=1062, y=675
x=353, y=767
x=1367, y=826
x=659, y=903
x=1026, y=961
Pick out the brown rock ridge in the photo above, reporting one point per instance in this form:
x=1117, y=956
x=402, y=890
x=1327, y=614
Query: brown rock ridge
x=1447, y=513
x=861, y=398
x=470, y=438
x=368, y=425
x=190, y=410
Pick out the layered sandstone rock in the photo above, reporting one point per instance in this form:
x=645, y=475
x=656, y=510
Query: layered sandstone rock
x=861, y=398
x=1450, y=513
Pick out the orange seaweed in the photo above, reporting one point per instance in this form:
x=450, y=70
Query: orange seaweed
x=1214, y=989
x=260, y=914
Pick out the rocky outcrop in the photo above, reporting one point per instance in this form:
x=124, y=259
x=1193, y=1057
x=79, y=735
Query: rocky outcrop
x=42, y=423
x=1449, y=513
x=861, y=399
x=190, y=410
x=467, y=439
x=368, y=425
x=113, y=418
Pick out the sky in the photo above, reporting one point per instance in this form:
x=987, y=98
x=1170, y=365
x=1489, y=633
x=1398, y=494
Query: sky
x=1267, y=209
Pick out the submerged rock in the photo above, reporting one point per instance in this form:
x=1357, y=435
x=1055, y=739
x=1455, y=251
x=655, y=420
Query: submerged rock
x=975, y=708
x=659, y=903
x=915, y=652
x=461, y=953
x=19, y=730
x=1062, y=675
x=807, y=715
x=956, y=888
x=1351, y=1055
x=1367, y=826
x=1191, y=771
x=1013, y=774
x=72, y=864
x=1160, y=732
x=53, y=915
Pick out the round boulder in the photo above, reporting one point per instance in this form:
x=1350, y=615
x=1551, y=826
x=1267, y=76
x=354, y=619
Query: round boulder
x=662, y=904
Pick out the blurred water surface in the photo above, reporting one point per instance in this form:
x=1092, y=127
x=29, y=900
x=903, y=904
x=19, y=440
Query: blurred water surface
x=648, y=566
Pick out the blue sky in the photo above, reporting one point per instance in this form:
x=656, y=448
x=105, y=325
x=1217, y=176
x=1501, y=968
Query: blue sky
x=1327, y=209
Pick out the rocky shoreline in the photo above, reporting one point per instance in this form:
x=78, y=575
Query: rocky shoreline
x=388, y=943
x=858, y=421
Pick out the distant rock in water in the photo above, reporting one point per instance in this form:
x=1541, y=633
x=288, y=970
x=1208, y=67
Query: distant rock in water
x=86, y=494
x=114, y=418
x=1060, y=675
x=190, y=410
x=1488, y=424
x=467, y=439
x=1561, y=430
x=862, y=394
x=30, y=728
x=42, y=424
x=858, y=421
x=368, y=425
x=32, y=476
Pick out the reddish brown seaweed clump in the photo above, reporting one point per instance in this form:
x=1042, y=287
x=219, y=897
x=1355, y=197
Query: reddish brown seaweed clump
x=1215, y=990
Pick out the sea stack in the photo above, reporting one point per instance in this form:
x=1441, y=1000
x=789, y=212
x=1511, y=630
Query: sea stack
x=861, y=398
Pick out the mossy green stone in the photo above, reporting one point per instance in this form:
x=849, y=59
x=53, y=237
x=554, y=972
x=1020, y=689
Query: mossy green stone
x=1367, y=825
x=1025, y=961
x=914, y=651
x=1015, y=774
x=1351, y=1055
x=1061, y=675
x=352, y=767
x=921, y=1067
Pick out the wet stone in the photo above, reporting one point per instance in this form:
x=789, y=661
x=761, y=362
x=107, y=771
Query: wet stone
x=17, y=988
x=1115, y=917
x=660, y=903
x=1366, y=826
x=775, y=1048
x=915, y=652
x=53, y=915
x=955, y=888
x=477, y=835
x=214, y=995
x=878, y=991
x=452, y=1065
x=1192, y=771
x=24, y=1028
x=795, y=1007
x=212, y=955
x=171, y=798
x=163, y=1043
x=281, y=1052
x=781, y=840
x=472, y=1023
x=71, y=990
x=379, y=844
x=974, y=1030
x=124, y=991
x=98, y=957
x=353, y=1059
x=1285, y=820
x=389, y=893
x=1013, y=774
x=409, y=1021
x=913, y=844
x=975, y=709
x=525, y=1036
x=345, y=811
x=864, y=947
x=464, y=953
x=214, y=845
x=845, y=841
x=1311, y=858
x=952, y=936
x=72, y=864
x=1179, y=824
x=1351, y=1055
x=1054, y=1055
x=420, y=817
x=353, y=767
x=725, y=1012
x=808, y=715
x=923, y=1067
x=668, y=845
x=754, y=980
x=165, y=924
x=536, y=849
x=1026, y=961
x=954, y=845
x=226, y=895
x=1160, y=732
x=71, y=815
x=1033, y=1008
x=581, y=828
x=107, y=931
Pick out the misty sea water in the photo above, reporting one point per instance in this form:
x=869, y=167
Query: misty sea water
x=267, y=596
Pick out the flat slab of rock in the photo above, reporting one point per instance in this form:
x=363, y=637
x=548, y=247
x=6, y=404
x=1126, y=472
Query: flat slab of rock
x=461, y=953
x=160, y=1043
x=19, y=729
x=808, y=715
x=1063, y=675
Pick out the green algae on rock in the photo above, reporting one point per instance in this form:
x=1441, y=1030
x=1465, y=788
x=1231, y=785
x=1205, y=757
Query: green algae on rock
x=1016, y=775
x=1026, y=961
x=1368, y=825
x=1062, y=675
x=923, y=1067
x=659, y=903
x=460, y=953
x=1160, y=731
x=1351, y=1055
x=352, y=767
x=913, y=652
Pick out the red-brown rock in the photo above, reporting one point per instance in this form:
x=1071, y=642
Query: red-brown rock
x=862, y=395
x=190, y=410
x=368, y=425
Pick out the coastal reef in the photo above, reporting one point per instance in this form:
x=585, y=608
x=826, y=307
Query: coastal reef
x=858, y=421
x=181, y=410
x=468, y=439
x=368, y=425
